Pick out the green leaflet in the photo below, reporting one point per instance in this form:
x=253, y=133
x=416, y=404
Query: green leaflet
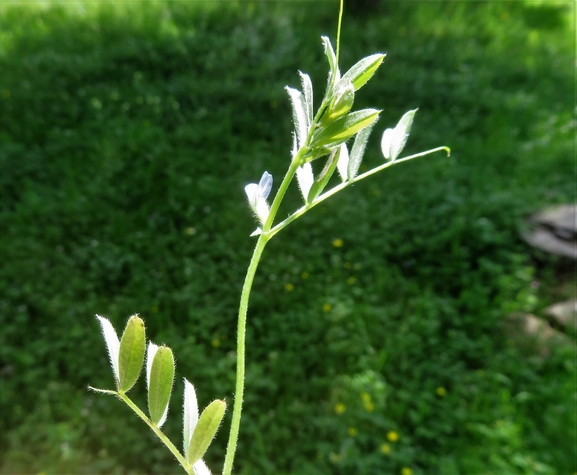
x=358, y=151
x=331, y=56
x=131, y=353
x=341, y=102
x=205, y=430
x=344, y=128
x=362, y=71
x=160, y=384
x=325, y=175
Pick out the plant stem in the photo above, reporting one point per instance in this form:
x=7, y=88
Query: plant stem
x=339, y=30
x=240, y=352
x=166, y=441
x=302, y=210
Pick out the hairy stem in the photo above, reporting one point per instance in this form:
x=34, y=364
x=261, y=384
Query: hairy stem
x=165, y=440
x=302, y=210
x=241, y=354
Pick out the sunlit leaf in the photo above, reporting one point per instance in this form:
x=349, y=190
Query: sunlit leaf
x=299, y=115
x=345, y=127
x=394, y=140
x=112, y=344
x=362, y=71
x=307, y=86
x=358, y=150
x=305, y=179
x=342, y=101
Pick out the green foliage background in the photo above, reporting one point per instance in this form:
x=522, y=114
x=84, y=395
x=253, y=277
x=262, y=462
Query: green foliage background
x=129, y=131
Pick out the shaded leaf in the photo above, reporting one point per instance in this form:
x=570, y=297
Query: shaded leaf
x=160, y=385
x=131, y=353
x=205, y=431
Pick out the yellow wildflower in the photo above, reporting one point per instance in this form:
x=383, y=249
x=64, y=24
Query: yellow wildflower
x=369, y=406
x=289, y=287
x=352, y=431
x=327, y=307
x=406, y=471
x=215, y=342
x=392, y=436
x=338, y=243
x=441, y=391
x=386, y=449
x=340, y=408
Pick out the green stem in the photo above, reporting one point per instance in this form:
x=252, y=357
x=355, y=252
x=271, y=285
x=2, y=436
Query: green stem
x=339, y=31
x=165, y=440
x=240, y=351
x=342, y=186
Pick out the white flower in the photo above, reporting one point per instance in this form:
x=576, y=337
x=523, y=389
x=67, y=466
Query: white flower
x=190, y=420
x=112, y=343
x=257, y=195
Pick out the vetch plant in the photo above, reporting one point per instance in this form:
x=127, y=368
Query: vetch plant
x=321, y=136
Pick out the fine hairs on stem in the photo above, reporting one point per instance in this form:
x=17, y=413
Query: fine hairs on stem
x=322, y=136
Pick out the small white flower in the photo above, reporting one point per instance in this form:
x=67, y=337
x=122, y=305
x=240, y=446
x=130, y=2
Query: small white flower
x=190, y=420
x=257, y=195
x=112, y=343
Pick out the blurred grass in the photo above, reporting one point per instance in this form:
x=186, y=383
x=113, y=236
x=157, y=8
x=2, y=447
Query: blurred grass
x=129, y=132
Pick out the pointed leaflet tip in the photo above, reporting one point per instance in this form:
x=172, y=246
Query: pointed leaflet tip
x=308, y=97
x=190, y=415
x=364, y=70
x=112, y=344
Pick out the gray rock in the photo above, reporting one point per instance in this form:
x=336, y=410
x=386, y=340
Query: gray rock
x=554, y=230
x=534, y=333
x=564, y=313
